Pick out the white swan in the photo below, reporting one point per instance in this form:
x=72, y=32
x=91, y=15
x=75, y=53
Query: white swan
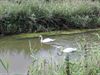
x=68, y=50
x=46, y=40
x=65, y=50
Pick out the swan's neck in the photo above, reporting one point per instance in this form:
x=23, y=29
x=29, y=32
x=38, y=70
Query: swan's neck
x=41, y=38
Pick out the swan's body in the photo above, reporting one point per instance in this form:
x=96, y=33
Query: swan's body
x=68, y=50
x=46, y=40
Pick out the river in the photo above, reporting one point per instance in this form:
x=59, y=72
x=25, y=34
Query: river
x=17, y=51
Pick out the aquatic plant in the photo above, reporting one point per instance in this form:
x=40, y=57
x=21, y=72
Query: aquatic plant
x=5, y=65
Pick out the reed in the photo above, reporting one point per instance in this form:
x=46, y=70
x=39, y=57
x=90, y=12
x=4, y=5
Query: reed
x=5, y=65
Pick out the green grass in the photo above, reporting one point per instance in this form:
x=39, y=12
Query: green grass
x=5, y=65
x=76, y=67
x=39, y=16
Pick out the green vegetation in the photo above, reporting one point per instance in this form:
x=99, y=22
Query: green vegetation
x=21, y=16
x=5, y=65
x=88, y=64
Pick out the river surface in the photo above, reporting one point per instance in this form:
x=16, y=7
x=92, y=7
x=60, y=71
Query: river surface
x=17, y=51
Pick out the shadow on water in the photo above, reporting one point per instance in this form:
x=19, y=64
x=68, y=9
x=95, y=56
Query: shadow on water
x=17, y=51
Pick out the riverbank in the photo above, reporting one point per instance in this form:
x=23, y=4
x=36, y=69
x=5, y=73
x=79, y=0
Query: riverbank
x=41, y=16
x=54, y=33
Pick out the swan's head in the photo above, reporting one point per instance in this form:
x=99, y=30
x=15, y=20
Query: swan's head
x=40, y=35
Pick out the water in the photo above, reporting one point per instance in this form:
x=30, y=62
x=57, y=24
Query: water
x=17, y=51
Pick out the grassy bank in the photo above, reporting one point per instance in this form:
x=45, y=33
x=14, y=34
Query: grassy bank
x=54, y=33
x=38, y=16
